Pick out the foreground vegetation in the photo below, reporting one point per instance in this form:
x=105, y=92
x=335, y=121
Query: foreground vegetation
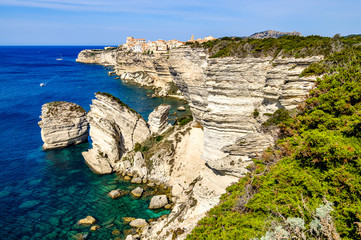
x=316, y=163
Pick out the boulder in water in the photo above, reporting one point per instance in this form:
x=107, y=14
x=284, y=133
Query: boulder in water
x=115, y=194
x=136, y=180
x=158, y=201
x=139, y=223
x=89, y=220
x=137, y=192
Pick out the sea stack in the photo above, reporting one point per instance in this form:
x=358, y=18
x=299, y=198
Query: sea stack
x=63, y=124
x=114, y=129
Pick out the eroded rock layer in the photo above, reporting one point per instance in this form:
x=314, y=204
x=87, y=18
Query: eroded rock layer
x=142, y=69
x=158, y=119
x=229, y=97
x=63, y=124
x=114, y=130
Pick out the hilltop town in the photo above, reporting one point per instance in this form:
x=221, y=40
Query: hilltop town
x=141, y=45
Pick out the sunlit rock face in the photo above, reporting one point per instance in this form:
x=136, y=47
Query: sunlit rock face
x=158, y=119
x=114, y=130
x=141, y=69
x=63, y=124
x=226, y=93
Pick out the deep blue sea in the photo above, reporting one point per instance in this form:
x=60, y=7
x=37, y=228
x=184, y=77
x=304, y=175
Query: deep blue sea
x=44, y=193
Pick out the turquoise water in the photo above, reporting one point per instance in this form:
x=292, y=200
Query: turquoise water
x=44, y=193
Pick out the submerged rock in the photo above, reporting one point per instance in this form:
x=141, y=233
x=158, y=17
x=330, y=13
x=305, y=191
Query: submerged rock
x=63, y=124
x=116, y=232
x=168, y=206
x=181, y=108
x=80, y=236
x=94, y=228
x=128, y=219
x=115, y=194
x=114, y=130
x=158, y=202
x=158, y=119
x=89, y=220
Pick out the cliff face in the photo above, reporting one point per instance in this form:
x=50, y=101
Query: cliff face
x=158, y=119
x=142, y=69
x=114, y=130
x=176, y=161
x=195, y=187
x=98, y=56
x=225, y=95
x=229, y=97
x=63, y=124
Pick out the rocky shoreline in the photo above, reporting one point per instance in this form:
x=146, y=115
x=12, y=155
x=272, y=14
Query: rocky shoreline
x=145, y=70
x=223, y=94
x=160, y=200
x=198, y=157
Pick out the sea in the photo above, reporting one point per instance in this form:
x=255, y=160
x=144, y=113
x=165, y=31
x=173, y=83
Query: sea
x=44, y=193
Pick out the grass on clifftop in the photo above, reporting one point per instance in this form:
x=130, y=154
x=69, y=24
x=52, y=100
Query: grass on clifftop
x=316, y=162
x=113, y=98
x=288, y=46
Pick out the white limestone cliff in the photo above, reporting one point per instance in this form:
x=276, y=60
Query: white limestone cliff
x=98, y=56
x=141, y=69
x=63, y=124
x=224, y=93
x=114, y=130
x=229, y=99
x=158, y=119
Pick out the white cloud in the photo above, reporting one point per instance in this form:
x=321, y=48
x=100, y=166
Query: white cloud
x=136, y=6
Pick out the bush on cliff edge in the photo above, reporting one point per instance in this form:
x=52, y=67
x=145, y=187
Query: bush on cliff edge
x=318, y=157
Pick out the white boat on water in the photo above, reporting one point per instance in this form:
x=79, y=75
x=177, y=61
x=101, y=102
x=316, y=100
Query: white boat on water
x=60, y=58
x=42, y=84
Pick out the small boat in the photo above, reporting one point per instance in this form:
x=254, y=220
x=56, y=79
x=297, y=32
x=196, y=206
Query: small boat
x=60, y=58
x=42, y=84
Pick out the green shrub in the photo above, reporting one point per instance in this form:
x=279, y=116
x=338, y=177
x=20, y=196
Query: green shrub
x=289, y=46
x=137, y=147
x=173, y=88
x=184, y=120
x=318, y=157
x=255, y=113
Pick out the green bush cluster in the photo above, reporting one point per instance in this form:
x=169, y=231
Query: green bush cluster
x=317, y=158
x=113, y=98
x=288, y=46
x=173, y=88
x=184, y=120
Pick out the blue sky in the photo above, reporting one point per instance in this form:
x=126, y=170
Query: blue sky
x=108, y=22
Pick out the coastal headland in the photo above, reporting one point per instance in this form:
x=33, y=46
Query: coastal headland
x=234, y=88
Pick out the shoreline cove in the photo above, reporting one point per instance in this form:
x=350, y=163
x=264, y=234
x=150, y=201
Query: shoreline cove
x=44, y=193
x=219, y=91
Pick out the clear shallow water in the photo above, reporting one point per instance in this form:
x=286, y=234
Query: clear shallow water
x=43, y=194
